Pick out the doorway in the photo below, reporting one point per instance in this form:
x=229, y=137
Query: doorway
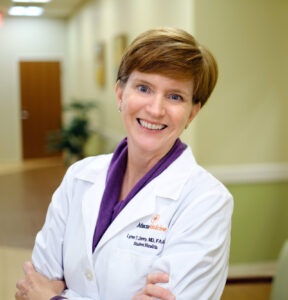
x=40, y=88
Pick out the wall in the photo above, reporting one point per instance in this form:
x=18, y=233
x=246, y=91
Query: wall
x=251, y=96
x=22, y=38
x=244, y=124
x=260, y=221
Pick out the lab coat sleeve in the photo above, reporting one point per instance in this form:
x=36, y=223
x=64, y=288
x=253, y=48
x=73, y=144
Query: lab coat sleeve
x=196, y=251
x=47, y=255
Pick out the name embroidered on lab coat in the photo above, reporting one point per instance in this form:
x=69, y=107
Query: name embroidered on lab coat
x=148, y=241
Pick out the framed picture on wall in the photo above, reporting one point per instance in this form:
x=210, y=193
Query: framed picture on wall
x=100, y=69
x=120, y=44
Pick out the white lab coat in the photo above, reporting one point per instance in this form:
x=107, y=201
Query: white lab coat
x=179, y=224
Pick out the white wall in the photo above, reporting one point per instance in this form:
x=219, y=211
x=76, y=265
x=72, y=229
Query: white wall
x=23, y=38
x=246, y=120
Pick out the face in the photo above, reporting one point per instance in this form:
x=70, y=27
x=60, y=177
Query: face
x=155, y=111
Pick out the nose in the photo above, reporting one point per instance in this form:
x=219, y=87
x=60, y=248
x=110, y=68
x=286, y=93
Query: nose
x=156, y=106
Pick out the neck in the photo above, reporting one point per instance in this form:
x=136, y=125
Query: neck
x=138, y=165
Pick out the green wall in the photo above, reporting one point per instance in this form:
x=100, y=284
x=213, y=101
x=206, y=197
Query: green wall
x=260, y=221
x=246, y=121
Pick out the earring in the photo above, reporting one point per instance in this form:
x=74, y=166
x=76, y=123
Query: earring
x=119, y=109
x=186, y=126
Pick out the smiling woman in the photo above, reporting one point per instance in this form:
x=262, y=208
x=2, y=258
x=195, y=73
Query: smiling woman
x=147, y=221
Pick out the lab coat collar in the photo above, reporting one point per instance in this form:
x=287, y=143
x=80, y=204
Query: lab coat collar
x=94, y=173
x=175, y=176
x=182, y=166
x=99, y=164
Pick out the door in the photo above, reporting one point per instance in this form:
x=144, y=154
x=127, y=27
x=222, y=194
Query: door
x=40, y=105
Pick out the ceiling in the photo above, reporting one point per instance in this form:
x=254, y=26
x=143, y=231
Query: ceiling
x=55, y=8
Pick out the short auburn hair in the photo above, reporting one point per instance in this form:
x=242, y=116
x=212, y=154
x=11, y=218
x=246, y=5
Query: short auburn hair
x=174, y=53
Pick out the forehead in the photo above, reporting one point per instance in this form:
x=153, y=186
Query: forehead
x=158, y=79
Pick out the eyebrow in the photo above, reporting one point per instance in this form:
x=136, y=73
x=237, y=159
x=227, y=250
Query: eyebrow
x=142, y=81
x=176, y=91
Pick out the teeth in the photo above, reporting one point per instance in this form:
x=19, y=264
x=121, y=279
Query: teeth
x=151, y=126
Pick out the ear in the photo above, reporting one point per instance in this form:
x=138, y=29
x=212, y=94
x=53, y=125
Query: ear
x=119, y=93
x=194, y=112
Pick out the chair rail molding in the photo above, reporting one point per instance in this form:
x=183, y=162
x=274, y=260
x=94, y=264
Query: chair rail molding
x=252, y=270
x=250, y=173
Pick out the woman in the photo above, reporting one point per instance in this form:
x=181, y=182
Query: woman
x=146, y=222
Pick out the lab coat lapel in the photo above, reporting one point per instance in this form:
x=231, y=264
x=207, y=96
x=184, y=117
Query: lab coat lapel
x=96, y=175
x=143, y=204
x=90, y=210
x=170, y=185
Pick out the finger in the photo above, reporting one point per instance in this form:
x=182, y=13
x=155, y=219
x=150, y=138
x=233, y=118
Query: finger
x=158, y=292
x=28, y=267
x=157, y=278
x=60, y=284
x=142, y=297
x=20, y=296
x=21, y=286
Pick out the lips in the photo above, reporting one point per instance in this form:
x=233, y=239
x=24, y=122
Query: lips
x=151, y=126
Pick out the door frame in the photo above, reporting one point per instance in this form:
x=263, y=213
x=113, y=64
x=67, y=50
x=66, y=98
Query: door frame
x=17, y=91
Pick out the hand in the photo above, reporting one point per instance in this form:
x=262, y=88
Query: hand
x=36, y=286
x=152, y=291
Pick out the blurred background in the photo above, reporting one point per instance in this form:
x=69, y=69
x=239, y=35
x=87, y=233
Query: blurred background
x=57, y=77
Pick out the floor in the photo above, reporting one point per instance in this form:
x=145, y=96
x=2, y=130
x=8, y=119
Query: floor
x=247, y=291
x=26, y=191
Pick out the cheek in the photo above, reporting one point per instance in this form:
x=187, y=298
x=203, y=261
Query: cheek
x=181, y=116
x=132, y=104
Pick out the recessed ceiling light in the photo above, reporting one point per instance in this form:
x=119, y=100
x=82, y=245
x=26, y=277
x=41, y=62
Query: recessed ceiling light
x=32, y=11
x=31, y=1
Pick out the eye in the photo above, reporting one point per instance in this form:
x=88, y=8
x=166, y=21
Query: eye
x=143, y=88
x=175, y=97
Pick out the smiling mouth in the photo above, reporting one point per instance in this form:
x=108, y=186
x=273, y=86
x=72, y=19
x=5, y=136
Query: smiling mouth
x=151, y=126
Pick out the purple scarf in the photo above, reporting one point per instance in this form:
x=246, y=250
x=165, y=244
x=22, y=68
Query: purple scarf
x=110, y=206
